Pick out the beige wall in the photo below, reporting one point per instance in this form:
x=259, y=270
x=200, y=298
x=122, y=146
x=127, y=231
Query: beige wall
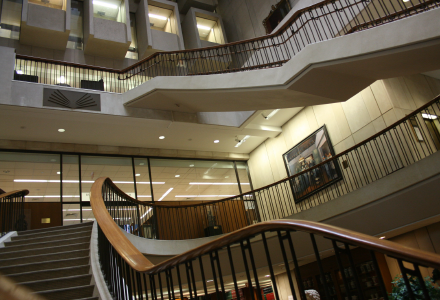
x=426, y=238
x=348, y=123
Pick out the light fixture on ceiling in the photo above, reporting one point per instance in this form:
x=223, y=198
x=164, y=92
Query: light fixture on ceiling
x=209, y=280
x=19, y=72
x=141, y=164
x=83, y=181
x=214, y=183
x=157, y=17
x=191, y=166
x=405, y=0
x=58, y=173
x=382, y=237
x=166, y=193
x=204, y=196
x=176, y=175
x=203, y=27
x=266, y=275
x=216, y=141
x=61, y=130
x=226, y=176
x=271, y=114
x=138, y=174
x=239, y=142
x=161, y=137
x=429, y=116
x=105, y=4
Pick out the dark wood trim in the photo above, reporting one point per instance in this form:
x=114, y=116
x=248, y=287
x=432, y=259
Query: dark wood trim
x=18, y=192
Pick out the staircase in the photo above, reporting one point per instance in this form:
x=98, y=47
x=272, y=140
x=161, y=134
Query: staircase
x=52, y=262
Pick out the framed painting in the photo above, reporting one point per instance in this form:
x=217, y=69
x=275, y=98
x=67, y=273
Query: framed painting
x=313, y=150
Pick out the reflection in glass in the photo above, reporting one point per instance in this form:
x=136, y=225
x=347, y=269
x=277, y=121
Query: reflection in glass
x=38, y=173
x=209, y=30
x=162, y=19
x=133, y=49
x=10, y=19
x=76, y=25
x=70, y=178
x=71, y=214
x=57, y=4
x=113, y=10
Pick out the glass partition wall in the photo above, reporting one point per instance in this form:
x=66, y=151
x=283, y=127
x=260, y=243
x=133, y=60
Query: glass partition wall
x=68, y=178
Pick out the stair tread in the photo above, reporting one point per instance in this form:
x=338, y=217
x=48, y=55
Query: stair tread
x=48, y=237
x=41, y=249
x=66, y=227
x=65, y=289
x=50, y=234
x=49, y=270
x=42, y=256
x=41, y=244
x=44, y=262
x=56, y=279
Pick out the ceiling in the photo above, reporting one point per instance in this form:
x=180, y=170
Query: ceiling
x=33, y=124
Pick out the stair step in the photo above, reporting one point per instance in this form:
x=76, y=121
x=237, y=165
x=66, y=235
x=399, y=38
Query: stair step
x=48, y=265
x=50, y=274
x=50, y=233
x=43, y=258
x=46, y=244
x=60, y=283
x=48, y=250
x=69, y=293
x=56, y=228
x=34, y=239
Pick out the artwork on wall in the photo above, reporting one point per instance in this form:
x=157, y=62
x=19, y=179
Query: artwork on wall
x=311, y=151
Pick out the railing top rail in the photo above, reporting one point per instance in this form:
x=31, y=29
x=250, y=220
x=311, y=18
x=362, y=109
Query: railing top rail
x=120, y=71
x=23, y=192
x=140, y=263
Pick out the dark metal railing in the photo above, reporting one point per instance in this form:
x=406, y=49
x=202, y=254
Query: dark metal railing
x=405, y=142
x=248, y=262
x=12, y=216
x=322, y=21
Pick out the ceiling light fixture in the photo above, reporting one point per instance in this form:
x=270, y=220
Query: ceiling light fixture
x=19, y=72
x=105, y=4
x=239, y=142
x=204, y=196
x=429, y=116
x=382, y=237
x=166, y=193
x=216, y=141
x=58, y=173
x=157, y=17
x=83, y=181
x=138, y=174
x=176, y=175
x=141, y=164
x=203, y=27
x=61, y=130
x=191, y=166
x=161, y=137
x=271, y=114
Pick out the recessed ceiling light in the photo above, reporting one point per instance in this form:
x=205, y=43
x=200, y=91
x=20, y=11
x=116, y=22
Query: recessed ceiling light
x=226, y=176
x=141, y=164
x=61, y=130
x=58, y=173
x=191, y=166
x=161, y=137
x=216, y=141
x=138, y=174
x=266, y=275
x=176, y=175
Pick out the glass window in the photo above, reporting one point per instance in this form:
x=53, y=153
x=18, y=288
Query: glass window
x=142, y=179
x=76, y=25
x=162, y=19
x=38, y=173
x=242, y=171
x=186, y=180
x=10, y=19
x=209, y=30
x=118, y=169
x=133, y=49
x=71, y=214
x=70, y=178
x=113, y=10
x=57, y=4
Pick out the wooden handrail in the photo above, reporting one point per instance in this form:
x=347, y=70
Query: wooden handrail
x=140, y=263
x=11, y=291
x=261, y=38
x=25, y=192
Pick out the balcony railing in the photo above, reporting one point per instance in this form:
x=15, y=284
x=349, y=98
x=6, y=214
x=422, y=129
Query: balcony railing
x=405, y=142
x=12, y=216
x=322, y=21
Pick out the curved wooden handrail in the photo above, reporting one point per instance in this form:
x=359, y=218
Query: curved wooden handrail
x=26, y=192
x=11, y=291
x=140, y=263
x=273, y=35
